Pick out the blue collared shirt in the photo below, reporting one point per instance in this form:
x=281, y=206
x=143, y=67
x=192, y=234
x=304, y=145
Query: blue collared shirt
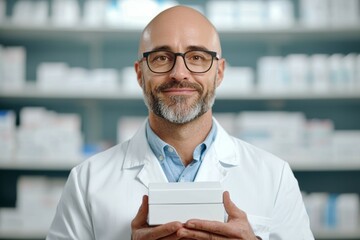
x=170, y=161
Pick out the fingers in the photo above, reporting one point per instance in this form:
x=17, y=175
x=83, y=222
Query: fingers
x=198, y=235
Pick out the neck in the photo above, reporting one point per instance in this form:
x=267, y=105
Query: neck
x=183, y=137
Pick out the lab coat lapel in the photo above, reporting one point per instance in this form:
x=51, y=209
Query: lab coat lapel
x=139, y=154
x=211, y=169
x=151, y=172
x=221, y=156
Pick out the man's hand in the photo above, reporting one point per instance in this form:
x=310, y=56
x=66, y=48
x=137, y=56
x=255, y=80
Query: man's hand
x=142, y=231
x=237, y=226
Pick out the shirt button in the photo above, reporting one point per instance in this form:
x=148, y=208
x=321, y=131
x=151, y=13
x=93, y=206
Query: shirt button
x=161, y=157
x=170, y=149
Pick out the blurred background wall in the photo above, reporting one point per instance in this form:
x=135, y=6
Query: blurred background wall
x=68, y=90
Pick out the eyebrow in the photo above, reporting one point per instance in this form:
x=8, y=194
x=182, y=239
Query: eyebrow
x=189, y=48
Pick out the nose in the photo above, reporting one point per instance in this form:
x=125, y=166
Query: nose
x=179, y=71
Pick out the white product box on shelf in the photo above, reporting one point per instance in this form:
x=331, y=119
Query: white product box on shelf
x=30, y=12
x=271, y=66
x=314, y=13
x=297, y=70
x=278, y=132
x=127, y=127
x=186, y=200
x=319, y=72
x=12, y=68
x=65, y=13
x=280, y=13
x=129, y=81
x=237, y=80
x=221, y=13
x=94, y=12
x=345, y=145
x=250, y=13
x=48, y=136
x=37, y=198
x=344, y=13
x=333, y=212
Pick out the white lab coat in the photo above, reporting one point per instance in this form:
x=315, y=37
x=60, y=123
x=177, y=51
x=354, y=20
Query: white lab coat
x=103, y=194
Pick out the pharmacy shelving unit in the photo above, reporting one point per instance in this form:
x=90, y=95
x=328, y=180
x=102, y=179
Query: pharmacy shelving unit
x=117, y=47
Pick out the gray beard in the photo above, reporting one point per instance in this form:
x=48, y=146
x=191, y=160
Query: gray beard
x=177, y=110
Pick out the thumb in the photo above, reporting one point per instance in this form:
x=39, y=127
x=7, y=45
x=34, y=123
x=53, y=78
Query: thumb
x=141, y=216
x=231, y=209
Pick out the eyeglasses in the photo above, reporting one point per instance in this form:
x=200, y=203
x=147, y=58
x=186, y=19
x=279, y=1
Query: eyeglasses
x=196, y=61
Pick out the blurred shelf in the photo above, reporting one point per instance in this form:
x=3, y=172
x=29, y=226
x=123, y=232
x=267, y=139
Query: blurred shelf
x=337, y=234
x=37, y=165
x=326, y=166
x=31, y=92
x=60, y=164
x=266, y=33
x=22, y=234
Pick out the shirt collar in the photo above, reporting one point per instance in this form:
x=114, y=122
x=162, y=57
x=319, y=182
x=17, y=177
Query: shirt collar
x=157, y=145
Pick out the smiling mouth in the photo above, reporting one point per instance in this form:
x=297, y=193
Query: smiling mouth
x=180, y=91
x=179, y=88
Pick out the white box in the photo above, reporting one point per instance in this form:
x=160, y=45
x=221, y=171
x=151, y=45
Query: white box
x=182, y=201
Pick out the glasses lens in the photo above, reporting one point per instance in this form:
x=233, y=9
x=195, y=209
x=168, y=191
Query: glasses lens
x=198, y=61
x=161, y=61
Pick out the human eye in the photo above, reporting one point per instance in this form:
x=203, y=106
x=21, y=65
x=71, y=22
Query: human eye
x=161, y=57
x=197, y=56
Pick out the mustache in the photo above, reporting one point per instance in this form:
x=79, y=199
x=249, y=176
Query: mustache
x=176, y=84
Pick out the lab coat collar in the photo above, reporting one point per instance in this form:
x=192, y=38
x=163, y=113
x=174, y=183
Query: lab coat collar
x=221, y=155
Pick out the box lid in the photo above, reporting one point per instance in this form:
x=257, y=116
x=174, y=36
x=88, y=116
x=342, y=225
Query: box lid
x=185, y=193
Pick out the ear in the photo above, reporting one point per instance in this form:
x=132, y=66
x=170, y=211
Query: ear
x=138, y=72
x=220, y=71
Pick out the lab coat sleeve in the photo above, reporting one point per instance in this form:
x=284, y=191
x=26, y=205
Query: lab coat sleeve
x=72, y=218
x=289, y=219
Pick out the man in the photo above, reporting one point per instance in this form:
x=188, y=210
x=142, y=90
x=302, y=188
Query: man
x=179, y=68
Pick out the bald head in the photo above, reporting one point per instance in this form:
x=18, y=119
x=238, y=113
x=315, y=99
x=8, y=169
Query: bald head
x=179, y=29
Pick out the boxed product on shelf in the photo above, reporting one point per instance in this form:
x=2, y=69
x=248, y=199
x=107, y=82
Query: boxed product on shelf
x=297, y=70
x=37, y=198
x=271, y=66
x=30, y=12
x=237, y=80
x=329, y=211
x=344, y=13
x=250, y=13
x=319, y=73
x=221, y=13
x=278, y=132
x=127, y=127
x=280, y=13
x=7, y=134
x=129, y=82
x=317, y=143
x=314, y=13
x=320, y=13
x=94, y=12
x=12, y=67
x=48, y=136
x=65, y=13
x=346, y=143
x=58, y=76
